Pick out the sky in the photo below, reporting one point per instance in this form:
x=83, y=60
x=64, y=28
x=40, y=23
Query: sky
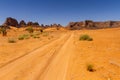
x=59, y=11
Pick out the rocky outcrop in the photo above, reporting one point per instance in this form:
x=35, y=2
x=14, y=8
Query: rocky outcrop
x=22, y=23
x=76, y=25
x=36, y=24
x=11, y=22
x=32, y=24
x=29, y=23
x=52, y=25
x=55, y=25
x=89, y=24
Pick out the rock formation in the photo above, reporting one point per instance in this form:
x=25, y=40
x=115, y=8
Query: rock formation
x=22, y=23
x=89, y=24
x=11, y=22
x=32, y=24
x=36, y=24
x=29, y=23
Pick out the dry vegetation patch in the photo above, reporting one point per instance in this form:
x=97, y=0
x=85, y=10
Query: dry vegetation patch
x=85, y=37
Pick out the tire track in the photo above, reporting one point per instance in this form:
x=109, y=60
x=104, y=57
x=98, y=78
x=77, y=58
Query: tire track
x=41, y=71
x=8, y=68
x=57, y=69
x=4, y=64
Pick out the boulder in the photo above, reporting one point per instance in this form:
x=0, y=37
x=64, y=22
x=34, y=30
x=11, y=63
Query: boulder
x=89, y=24
x=22, y=23
x=36, y=24
x=32, y=24
x=11, y=22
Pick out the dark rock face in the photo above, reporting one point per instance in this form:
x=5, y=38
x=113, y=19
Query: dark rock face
x=75, y=25
x=55, y=25
x=51, y=25
x=32, y=24
x=89, y=24
x=22, y=23
x=29, y=23
x=11, y=22
x=36, y=24
x=42, y=25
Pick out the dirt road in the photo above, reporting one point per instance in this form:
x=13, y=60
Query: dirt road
x=64, y=58
x=50, y=62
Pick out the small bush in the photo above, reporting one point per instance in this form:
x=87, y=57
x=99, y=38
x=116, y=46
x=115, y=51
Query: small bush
x=20, y=38
x=11, y=40
x=90, y=39
x=35, y=36
x=85, y=37
x=24, y=36
x=3, y=31
x=90, y=68
x=41, y=30
x=30, y=29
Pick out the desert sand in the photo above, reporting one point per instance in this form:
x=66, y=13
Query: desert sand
x=60, y=55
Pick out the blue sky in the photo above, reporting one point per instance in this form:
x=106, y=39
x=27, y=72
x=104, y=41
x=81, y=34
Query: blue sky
x=59, y=11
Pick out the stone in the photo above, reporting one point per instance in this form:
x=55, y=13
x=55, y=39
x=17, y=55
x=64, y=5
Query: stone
x=11, y=22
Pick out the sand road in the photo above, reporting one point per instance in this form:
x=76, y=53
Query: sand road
x=49, y=62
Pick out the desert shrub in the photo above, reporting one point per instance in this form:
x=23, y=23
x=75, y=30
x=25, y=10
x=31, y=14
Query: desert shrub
x=24, y=36
x=20, y=38
x=90, y=39
x=35, y=36
x=85, y=37
x=90, y=68
x=30, y=29
x=58, y=28
x=11, y=40
x=3, y=31
x=41, y=30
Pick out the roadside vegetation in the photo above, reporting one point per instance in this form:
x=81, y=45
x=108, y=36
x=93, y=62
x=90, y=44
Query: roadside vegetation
x=30, y=29
x=85, y=37
x=31, y=32
x=11, y=40
x=24, y=36
x=35, y=35
x=90, y=68
x=3, y=31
